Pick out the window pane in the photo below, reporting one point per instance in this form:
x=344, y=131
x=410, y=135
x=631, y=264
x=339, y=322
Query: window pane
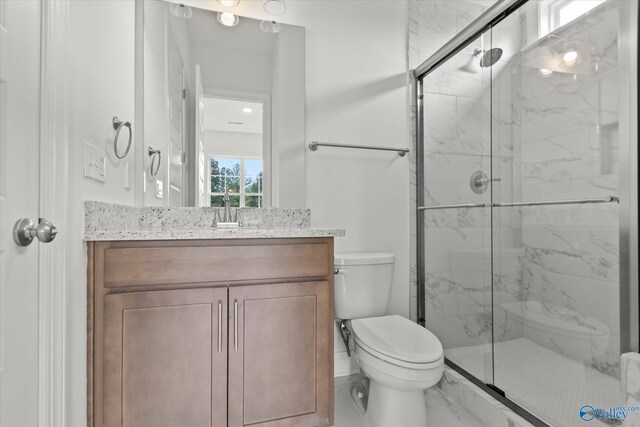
x=234, y=201
x=225, y=175
x=217, y=201
x=253, y=167
x=253, y=201
x=253, y=184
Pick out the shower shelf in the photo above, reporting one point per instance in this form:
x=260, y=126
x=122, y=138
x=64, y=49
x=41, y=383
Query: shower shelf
x=608, y=199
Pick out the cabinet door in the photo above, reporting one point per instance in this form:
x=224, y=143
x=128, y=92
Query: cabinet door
x=165, y=358
x=281, y=355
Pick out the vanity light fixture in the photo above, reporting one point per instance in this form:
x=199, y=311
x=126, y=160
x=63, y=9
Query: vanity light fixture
x=274, y=7
x=247, y=110
x=270, y=27
x=180, y=10
x=228, y=19
x=229, y=3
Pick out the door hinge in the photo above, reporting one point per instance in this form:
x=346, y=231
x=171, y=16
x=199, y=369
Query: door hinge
x=184, y=94
x=184, y=157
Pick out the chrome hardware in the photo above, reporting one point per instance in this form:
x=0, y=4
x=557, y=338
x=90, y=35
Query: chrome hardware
x=313, y=146
x=227, y=208
x=479, y=182
x=155, y=166
x=219, y=326
x=459, y=206
x=25, y=230
x=345, y=333
x=117, y=126
x=235, y=325
x=608, y=199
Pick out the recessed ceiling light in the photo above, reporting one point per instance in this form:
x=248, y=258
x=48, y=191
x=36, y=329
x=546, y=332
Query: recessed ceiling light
x=228, y=19
x=274, y=7
x=229, y=3
x=247, y=110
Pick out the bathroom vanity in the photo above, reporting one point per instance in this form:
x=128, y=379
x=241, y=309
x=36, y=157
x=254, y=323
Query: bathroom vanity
x=225, y=330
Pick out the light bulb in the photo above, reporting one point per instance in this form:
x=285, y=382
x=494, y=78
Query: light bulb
x=545, y=72
x=228, y=19
x=570, y=57
x=229, y=3
x=247, y=110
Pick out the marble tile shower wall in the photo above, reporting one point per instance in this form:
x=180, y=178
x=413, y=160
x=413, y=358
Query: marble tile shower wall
x=570, y=150
x=553, y=138
x=457, y=136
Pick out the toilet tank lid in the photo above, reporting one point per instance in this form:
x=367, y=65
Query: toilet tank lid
x=363, y=258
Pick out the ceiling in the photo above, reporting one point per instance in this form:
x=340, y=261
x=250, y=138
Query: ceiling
x=226, y=115
x=205, y=31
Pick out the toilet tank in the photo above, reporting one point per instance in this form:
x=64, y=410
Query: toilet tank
x=362, y=284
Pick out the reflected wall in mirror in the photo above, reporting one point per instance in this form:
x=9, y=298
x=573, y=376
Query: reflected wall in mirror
x=224, y=105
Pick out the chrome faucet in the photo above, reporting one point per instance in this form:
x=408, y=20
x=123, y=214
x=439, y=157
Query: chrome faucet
x=227, y=208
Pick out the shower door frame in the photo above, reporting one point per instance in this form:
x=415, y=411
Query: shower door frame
x=628, y=185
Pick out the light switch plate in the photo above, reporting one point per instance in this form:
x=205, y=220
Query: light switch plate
x=95, y=163
x=159, y=191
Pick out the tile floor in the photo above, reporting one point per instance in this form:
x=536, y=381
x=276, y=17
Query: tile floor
x=442, y=411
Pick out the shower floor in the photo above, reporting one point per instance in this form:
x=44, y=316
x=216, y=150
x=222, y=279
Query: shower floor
x=549, y=385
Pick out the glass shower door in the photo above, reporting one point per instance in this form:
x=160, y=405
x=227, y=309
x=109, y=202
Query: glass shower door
x=557, y=141
x=456, y=216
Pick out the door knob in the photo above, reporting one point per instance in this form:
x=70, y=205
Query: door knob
x=25, y=230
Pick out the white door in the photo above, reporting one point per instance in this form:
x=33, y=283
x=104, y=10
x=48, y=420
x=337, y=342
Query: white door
x=201, y=163
x=175, y=132
x=19, y=183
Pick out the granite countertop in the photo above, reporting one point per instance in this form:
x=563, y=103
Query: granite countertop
x=111, y=222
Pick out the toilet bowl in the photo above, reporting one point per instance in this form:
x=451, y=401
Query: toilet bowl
x=401, y=358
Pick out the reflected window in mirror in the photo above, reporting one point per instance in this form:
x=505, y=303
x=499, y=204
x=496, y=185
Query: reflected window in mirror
x=233, y=145
x=241, y=177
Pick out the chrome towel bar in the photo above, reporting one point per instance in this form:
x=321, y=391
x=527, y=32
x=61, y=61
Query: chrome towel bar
x=608, y=199
x=313, y=146
x=460, y=206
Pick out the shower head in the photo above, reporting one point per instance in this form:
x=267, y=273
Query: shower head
x=490, y=57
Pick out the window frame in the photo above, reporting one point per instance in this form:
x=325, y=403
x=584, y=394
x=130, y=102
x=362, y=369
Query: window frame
x=242, y=194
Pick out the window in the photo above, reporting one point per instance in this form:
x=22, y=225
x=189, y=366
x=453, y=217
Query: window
x=556, y=13
x=242, y=177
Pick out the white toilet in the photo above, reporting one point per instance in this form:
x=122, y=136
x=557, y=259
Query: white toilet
x=401, y=358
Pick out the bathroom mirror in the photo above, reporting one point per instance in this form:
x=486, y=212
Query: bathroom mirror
x=223, y=99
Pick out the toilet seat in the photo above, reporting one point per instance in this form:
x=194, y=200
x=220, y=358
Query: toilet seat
x=399, y=341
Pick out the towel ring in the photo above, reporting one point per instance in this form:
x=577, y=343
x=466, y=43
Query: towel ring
x=117, y=125
x=155, y=166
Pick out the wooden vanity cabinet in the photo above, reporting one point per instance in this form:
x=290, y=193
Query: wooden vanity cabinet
x=172, y=345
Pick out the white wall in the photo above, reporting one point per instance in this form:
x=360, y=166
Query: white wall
x=356, y=62
x=101, y=85
x=288, y=123
x=233, y=143
x=233, y=70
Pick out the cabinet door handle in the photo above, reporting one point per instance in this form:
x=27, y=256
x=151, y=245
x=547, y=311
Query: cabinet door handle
x=235, y=325
x=219, y=326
